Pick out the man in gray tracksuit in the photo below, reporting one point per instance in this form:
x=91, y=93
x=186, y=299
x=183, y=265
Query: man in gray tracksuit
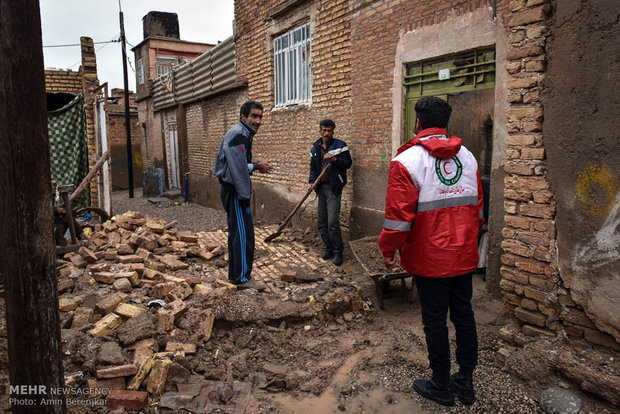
x=233, y=167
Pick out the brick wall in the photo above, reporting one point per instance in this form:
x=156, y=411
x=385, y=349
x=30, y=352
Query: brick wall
x=90, y=82
x=152, y=144
x=63, y=81
x=117, y=133
x=84, y=81
x=376, y=28
x=531, y=285
x=287, y=133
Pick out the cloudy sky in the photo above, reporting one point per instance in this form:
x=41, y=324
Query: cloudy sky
x=64, y=21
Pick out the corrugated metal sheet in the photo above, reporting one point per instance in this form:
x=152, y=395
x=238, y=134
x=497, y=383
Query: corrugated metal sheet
x=211, y=72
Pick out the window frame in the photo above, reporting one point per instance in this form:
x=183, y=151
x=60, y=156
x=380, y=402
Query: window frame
x=292, y=67
x=164, y=62
x=140, y=70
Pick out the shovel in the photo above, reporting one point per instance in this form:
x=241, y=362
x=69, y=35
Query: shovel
x=290, y=216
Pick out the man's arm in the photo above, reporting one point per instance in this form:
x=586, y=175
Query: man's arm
x=340, y=157
x=313, y=170
x=401, y=202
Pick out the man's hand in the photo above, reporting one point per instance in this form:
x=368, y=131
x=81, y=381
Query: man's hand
x=389, y=262
x=263, y=166
x=309, y=188
x=329, y=156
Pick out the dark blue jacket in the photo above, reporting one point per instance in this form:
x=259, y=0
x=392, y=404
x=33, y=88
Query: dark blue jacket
x=337, y=173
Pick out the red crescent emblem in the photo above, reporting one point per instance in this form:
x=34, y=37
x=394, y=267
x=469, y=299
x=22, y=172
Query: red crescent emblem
x=444, y=168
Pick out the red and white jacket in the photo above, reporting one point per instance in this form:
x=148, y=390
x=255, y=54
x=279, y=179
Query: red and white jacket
x=433, y=206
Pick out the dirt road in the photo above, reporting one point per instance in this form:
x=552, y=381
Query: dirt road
x=319, y=347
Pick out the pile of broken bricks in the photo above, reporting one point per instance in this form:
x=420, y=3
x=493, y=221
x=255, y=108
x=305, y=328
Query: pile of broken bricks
x=124, y=295
x=105, y=289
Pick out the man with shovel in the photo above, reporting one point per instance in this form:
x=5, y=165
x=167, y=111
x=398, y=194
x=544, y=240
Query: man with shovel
x=233, y=167
x=332, y=152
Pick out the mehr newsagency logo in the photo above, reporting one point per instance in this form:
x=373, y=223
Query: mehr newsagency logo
x=449, y=170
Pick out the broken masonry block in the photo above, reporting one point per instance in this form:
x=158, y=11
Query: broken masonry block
x=66, y=305
x=82, y=317
x=129, y=400
x=157, y=378
x=116, y=371
x=161, y=290
x=165, y=320
x=109, y=303
x=106, y=325
x=126, y=311
x=122, y=285
x=143, y=369
x=87, y=254
x=181, y=291
x=130, y=258
x=186, y=348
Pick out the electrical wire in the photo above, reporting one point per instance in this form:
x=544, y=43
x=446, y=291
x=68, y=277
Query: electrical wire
x=79, y=44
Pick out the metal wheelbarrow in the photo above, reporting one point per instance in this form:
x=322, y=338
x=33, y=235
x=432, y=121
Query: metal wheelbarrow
x=369, y=259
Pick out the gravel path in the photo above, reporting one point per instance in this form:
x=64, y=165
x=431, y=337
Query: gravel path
x=191, y=216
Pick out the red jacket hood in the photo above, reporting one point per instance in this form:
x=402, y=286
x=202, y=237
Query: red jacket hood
x=436, y=142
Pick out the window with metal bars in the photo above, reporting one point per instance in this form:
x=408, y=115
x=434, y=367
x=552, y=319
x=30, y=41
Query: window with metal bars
x=292, y=74
x=164, y=65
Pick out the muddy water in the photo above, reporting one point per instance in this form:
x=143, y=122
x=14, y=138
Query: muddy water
x=371, y=401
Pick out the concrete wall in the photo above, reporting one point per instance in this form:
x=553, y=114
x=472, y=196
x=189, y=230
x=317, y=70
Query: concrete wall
x=583, y=72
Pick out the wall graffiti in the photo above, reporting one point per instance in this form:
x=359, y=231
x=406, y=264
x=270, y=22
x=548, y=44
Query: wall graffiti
x=597, y=191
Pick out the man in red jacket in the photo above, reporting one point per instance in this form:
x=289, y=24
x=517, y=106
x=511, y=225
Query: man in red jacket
x=433, y=210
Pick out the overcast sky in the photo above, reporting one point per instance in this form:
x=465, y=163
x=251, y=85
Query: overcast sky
x=65, y=21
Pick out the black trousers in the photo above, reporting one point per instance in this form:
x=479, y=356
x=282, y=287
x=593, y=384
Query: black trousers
x=437, y=295
x=329, y=219
x=240, y=235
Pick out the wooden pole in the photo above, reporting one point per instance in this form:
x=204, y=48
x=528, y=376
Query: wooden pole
x=89, y=176
x=26, y=218
x=127, y=117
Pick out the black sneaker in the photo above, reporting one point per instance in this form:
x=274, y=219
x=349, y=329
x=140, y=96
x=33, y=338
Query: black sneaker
x=463, y=388
x=337, y=259
x=327, y=255
x=432, y=391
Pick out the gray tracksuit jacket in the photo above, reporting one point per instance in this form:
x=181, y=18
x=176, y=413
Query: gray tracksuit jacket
x=231, y=164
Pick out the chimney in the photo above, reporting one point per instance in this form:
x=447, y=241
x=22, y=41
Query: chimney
x=161, y=24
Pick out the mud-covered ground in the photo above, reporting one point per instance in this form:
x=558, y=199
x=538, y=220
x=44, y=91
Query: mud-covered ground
x=355, y=359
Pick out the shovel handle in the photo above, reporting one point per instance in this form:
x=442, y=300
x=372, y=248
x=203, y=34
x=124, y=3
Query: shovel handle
x=290, y=216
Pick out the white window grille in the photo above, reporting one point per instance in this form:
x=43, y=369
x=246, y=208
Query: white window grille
x=292, y=75
x=140, y=65
x=164, y=65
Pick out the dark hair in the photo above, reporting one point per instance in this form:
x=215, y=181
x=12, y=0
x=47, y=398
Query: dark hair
x=327, y=123
x=433, y=112
x=248, y=106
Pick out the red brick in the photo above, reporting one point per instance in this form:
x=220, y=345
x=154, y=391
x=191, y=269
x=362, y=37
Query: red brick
x=130, y=400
